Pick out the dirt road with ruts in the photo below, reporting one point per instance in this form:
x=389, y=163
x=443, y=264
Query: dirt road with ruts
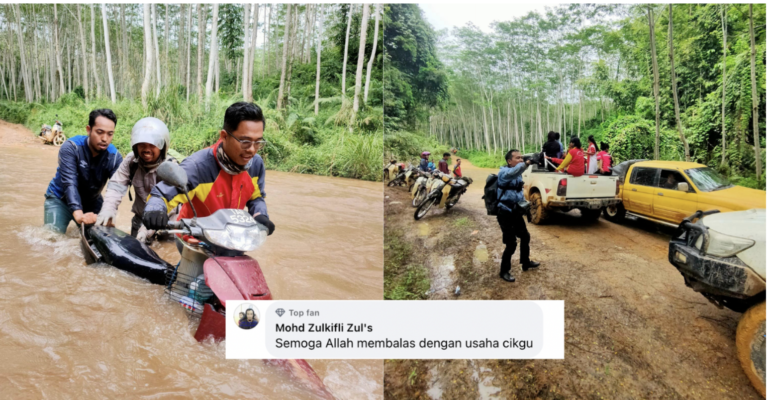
x=633, y=330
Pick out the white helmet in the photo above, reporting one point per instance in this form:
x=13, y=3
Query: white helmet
x=153, y=131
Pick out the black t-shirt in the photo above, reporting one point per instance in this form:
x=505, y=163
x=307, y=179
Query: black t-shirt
x=551, y=149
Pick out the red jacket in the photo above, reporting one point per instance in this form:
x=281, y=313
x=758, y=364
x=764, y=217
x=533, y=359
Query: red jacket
x=575, y=160
x=211, y=188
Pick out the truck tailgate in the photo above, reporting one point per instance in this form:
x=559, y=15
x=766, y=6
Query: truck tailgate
x=591, y=186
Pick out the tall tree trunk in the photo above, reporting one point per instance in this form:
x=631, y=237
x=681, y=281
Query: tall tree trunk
x=656, y=84
x=286, y=44
x=266, y=35
x=346, y=48
x=246, y=48
x=361, y=58
x=93, y=53
x=723, y=14
x=755, y=97
x=373, y=52
x=252, y=53
x=181, y=35
x=318, y=49
x=159, y=80
x=165, y=33
x=125, y=66
x=291, y=55
x=149, y=53
x=109, y=54
x=213, y=56
x=28, y=91
x=674, y=88
x=200, y=48
x=189, y=50
x=59, y=68
x=264, y=52
x=84, y=54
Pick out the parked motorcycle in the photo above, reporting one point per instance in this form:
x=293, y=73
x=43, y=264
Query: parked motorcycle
x=419, y=189
x=213, y=268
x=402, y=176
x=53, y=135
x=443, y=190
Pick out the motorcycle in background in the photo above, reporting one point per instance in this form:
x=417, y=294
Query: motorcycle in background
x=443, y=190
x=53, y=135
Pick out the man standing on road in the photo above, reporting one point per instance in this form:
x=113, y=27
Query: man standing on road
x=510, y=193
x=85, y=164
x=229, y=174
x=443, y=164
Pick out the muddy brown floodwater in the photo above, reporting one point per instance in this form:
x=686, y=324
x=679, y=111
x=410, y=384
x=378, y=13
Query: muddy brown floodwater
x=633, y=330
x=68, y=330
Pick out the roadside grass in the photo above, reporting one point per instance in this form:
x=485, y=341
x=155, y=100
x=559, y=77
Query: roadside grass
x=298, y=141
x=402, y=280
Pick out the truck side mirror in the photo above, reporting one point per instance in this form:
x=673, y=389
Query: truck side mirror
x=682, y=186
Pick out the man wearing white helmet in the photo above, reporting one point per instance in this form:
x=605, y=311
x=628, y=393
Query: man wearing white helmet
x=150, y=141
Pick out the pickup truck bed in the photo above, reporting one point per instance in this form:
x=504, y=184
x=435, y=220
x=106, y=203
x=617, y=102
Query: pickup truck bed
x=548, y=191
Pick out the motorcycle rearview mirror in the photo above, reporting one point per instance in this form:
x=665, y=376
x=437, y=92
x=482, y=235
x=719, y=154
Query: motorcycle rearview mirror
x=172, y=174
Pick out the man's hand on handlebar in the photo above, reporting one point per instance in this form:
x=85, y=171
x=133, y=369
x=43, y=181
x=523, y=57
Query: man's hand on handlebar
x=264, y=220
x=155, y=220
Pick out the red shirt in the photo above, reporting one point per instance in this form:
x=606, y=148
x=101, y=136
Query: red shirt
x=603, y=155
x=457, y=171
x=443, y=167
x=576, y=166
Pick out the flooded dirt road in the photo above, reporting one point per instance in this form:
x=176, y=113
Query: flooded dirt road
x=68, y=330
x=633, y=329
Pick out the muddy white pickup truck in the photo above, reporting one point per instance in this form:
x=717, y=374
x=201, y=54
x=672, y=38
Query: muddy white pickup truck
x=549, y=191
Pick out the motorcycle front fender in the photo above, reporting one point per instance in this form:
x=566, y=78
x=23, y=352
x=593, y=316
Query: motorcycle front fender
x=236, y=278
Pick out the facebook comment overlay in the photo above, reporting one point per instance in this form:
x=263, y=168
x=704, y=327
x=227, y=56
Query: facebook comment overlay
x=378, y=329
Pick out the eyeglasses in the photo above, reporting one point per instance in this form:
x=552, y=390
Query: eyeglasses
x=246, y=144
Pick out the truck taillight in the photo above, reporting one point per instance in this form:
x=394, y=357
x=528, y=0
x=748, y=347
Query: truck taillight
x=562, y=187
x=618, y=187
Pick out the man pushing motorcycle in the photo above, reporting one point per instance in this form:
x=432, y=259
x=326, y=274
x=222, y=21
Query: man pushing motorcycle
x=229, y=174
x=150, y=141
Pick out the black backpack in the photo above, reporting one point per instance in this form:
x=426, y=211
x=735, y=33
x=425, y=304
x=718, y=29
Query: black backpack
x=490, y=196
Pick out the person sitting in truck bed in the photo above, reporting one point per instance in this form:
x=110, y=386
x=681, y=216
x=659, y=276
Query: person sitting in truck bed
x=574, y=160
x=604, y=160
x=551, y=148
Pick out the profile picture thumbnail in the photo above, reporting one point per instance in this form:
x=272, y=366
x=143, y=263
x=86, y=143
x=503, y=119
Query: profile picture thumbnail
x=246, y=316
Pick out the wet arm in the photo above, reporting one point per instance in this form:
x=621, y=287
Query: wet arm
x=68, y=170
x=257, y=204
x=513, y=172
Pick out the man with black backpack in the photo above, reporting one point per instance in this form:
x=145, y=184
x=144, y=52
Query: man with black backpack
x=504, y=198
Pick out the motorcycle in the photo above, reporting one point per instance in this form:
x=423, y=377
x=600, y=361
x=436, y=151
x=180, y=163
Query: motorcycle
x=213, y=268
x=402, y=176
x=53, y=135
x=419, y=189
x=443, y=190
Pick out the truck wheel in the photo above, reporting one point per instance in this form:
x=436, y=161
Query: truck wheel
x=590, y=215
x=615, y=213
x=538, y=212
x=750, y=345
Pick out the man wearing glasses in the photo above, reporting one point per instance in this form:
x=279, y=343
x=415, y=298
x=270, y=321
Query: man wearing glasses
x=229, y=174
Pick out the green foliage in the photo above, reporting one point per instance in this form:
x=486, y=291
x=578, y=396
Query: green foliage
x=298, y=143
x=407, y=147
x=414, y=77
x=402, y=281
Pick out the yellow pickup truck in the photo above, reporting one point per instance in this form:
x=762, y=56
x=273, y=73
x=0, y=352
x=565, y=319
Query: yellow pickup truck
x=666, y=192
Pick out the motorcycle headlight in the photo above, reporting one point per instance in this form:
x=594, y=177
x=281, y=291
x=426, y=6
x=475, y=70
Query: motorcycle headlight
x=723, y=245
x=236, y=237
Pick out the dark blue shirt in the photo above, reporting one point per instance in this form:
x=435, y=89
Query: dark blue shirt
x=80, y=176
x=245, y=324
x=424, y=165
x=510, y=177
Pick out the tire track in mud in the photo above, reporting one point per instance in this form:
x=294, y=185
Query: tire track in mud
x=633, y=329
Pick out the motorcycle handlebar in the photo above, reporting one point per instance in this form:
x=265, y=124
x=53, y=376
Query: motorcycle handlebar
x=174, y=225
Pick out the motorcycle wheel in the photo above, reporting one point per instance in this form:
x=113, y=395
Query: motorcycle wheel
x=393, y=182
x=419, y=197
x=424, y=208
x=59, y=139
x=452, y=201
